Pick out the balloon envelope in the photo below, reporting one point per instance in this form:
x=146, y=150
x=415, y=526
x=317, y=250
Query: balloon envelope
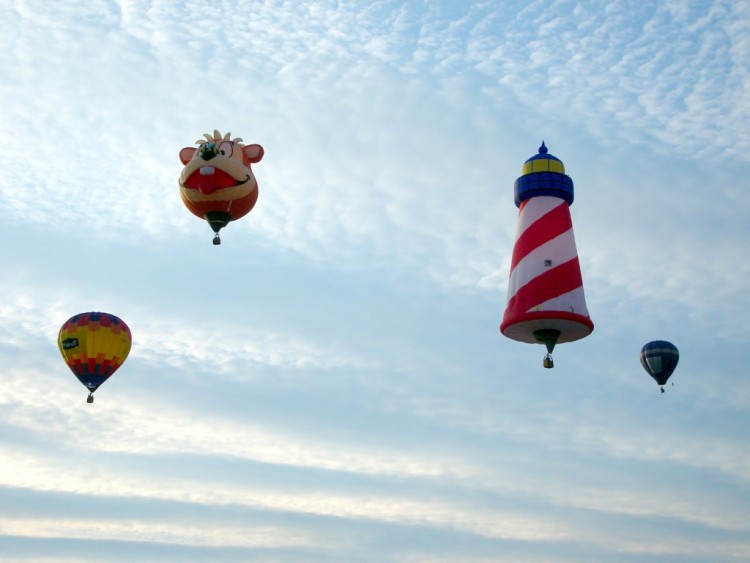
x=94, y=345
x=659, y=358
x=546, y=302
x=217, y=183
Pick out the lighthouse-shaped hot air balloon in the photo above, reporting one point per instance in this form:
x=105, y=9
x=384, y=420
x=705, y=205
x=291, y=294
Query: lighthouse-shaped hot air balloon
x=546, y=304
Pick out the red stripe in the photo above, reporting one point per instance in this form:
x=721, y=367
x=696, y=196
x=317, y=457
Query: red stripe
x=548, y=226
x=553, y=283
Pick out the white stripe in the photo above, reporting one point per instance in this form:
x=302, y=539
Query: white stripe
x=571, y=302
x=535, y=209
x=558, y=250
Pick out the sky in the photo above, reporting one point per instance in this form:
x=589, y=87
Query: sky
x=330, y=384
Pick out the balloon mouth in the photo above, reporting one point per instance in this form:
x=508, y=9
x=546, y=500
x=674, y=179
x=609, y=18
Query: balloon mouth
x=218, y=220
x=548, y=337
x=209, y=179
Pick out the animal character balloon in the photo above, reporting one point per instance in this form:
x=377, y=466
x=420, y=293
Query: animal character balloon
x=659, y=358
x=546, y=304
x=217, y=183
x=94, y=345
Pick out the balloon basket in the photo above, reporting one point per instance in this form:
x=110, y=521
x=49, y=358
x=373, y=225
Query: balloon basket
x=90, y=398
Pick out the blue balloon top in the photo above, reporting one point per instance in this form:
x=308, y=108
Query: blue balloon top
x=543, y=175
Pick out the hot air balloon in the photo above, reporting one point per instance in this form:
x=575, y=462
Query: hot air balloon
x=546, y=304
x=94, y=345
x=217, y=183
x=659, y=358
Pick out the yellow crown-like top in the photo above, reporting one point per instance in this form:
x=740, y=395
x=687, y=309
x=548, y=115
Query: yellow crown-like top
x=542, y=165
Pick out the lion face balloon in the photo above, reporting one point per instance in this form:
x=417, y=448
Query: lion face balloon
x=217, y=183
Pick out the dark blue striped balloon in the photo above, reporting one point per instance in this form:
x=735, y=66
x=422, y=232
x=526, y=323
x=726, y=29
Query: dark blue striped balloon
x=659, y=358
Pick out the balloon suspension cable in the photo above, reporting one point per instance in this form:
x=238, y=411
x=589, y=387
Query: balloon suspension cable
x=90, y=398
x=548, y=337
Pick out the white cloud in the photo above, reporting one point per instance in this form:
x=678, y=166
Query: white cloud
x=628, y=69
x=464, y=516
x=359, y=169
x=156, y=532
x=57, y=475
x=119, y=429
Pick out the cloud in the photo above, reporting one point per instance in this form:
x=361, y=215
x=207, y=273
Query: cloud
x=627, y=71
x=361, y=165
x=171, y=431
x=147, y=531
x=174, y=428
x=499, y=521
x=73, y=478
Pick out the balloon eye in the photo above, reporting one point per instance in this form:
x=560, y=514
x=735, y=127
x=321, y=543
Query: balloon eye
x=226, y=148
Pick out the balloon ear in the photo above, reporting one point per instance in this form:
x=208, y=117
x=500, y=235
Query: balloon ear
x=186, y=154
x=253, y=152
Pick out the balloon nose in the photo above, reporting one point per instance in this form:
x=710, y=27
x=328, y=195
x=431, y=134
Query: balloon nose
x=208, y=151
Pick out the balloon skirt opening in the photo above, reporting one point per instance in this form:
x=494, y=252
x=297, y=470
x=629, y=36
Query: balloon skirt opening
x=218, y=219
x=548, y=337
